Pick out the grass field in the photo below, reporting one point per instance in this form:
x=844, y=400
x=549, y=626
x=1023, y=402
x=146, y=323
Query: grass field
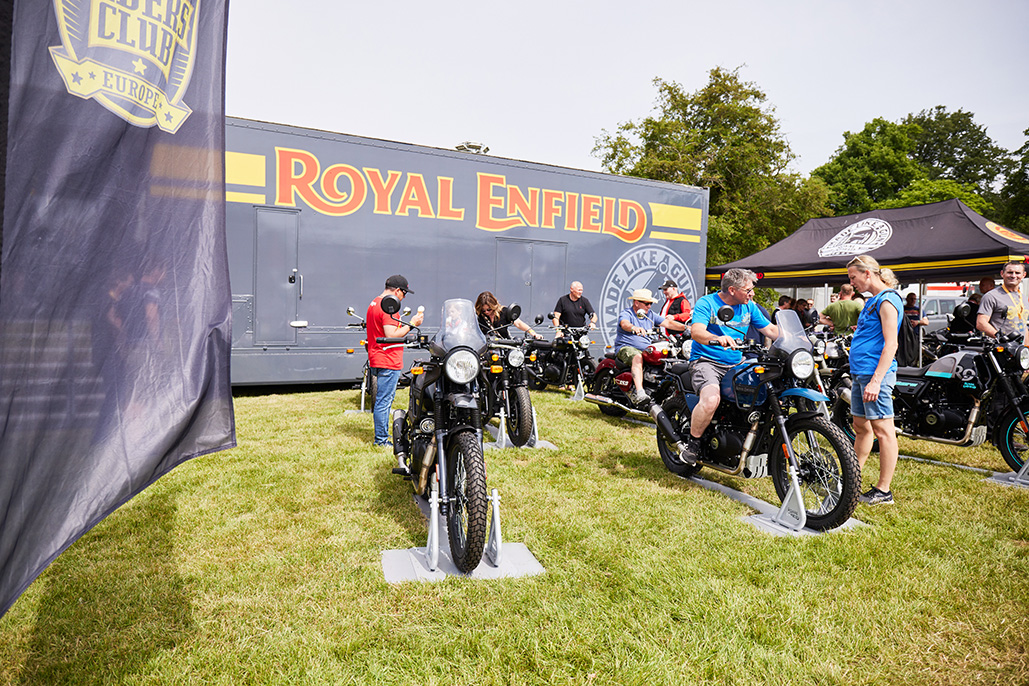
x=262, y=565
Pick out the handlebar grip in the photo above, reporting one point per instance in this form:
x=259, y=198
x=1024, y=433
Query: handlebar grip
x=541, y=345
x=504, y=341
x=386, y=340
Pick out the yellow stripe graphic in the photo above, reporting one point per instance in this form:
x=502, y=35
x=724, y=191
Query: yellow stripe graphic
x=249, y=198
x=675, y=217
x=244, y=169
x=674, y=237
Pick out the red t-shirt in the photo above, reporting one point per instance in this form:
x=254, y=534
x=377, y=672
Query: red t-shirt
x=377, y=357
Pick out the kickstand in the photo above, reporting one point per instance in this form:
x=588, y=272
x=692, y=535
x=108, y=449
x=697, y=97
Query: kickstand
x=432, y=546
x=1022, y=478
x=495, y=542
x=792, y=514
x=502, y=440
x=580, y=391
x=531, y=443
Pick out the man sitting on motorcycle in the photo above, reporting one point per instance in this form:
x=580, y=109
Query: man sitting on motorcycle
x=634, y=322
x=714, y=343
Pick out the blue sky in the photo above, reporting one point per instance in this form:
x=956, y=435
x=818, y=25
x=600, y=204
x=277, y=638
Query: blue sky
x=541, y=80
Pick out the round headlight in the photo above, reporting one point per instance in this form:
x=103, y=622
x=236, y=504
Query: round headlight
x=1023, y=356
x=802, y=364
x=832, y=349
x=462, y=366
x=584, y=341
x=819, y=346
x=516, y=357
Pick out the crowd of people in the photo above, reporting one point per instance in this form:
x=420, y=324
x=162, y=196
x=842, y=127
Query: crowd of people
x=874, y=322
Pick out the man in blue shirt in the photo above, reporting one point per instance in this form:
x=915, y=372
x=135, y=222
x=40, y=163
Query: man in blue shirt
x=634, y=322
x=714, y=350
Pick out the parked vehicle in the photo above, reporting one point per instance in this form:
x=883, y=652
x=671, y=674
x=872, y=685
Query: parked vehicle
x=441, y=431
x=504, y=383
x=612, y=380
x=765, y=426
x=565, y=361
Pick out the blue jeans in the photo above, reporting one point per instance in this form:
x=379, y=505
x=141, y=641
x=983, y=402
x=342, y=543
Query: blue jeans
x=384, y=401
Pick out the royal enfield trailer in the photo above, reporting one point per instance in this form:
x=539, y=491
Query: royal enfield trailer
x=317, y=221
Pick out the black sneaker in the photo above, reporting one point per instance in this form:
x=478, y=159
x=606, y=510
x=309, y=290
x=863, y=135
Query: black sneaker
x=874, y=496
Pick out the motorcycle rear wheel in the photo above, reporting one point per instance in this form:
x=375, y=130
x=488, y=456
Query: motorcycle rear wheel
x=829, y=477
x=519, y=422
x=679, y=414
x=605, y=386
x=842, y=418
x=466, y=519
x=1012, y=440
x=371, y=388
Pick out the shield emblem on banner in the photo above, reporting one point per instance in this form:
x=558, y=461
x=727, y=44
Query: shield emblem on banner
x=134, y=58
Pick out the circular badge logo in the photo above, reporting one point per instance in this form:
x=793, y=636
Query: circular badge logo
x=645, y=266
x=1006, y=233
x=860, y=237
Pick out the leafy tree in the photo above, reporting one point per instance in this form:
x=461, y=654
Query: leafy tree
x=871, y=167
x=1015, y=193
x=722, y=137
x=925, y=191
x=950, y=145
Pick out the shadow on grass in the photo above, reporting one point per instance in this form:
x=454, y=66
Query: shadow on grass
x=114, y=599
x=395, y=499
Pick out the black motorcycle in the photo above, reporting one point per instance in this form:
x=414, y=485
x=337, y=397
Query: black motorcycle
x=766, y=425
x=565, y=361
x=442, y=427
x=965, y=398
x=505, y=385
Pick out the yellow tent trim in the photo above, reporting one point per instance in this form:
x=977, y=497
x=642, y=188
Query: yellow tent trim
x=902, y=267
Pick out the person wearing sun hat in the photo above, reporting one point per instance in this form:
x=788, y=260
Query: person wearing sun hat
x=634, y=323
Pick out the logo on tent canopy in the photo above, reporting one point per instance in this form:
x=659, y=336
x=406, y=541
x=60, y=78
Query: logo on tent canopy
x=1006, y=233
x=860, y=237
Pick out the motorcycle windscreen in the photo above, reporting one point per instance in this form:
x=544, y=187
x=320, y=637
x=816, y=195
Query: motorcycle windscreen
x=459, y=327
x=791, y=334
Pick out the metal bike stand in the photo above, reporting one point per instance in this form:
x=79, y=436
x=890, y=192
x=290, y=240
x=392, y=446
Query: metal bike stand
x=432, y=545
x=495, y=542
x=792, y=515
x=1021, y=478
x=502, y=441
x=580, y=391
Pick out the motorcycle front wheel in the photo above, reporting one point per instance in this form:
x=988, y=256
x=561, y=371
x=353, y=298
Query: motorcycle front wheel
x=519, y=421
x=679, y=414
x=829, y=476
x=466, y=519
x=1012, y=440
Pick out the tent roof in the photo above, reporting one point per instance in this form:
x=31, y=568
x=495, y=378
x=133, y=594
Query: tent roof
x=942, y=241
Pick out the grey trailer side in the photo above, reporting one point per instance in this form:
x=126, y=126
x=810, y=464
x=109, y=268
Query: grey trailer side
x=317, y=221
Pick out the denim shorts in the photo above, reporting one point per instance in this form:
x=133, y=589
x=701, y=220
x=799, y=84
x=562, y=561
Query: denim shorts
x=882, y=407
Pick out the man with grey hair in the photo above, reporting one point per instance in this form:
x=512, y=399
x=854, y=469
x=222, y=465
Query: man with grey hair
x=714, y=350
x=573, y=309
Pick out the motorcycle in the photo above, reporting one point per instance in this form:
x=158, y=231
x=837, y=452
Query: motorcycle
x=441, y=430
x=612, y=380
x=765, y=425
x=565, y=361
x=505, y=385
x=965, y=398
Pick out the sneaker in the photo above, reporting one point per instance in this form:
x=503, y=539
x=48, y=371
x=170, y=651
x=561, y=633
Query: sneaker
x=691, y=453
x=384, y=444
x=874, y=496
x=638, y=397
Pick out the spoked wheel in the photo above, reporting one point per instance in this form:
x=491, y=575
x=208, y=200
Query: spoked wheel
x=605, y=386
x=1012, y=439
x=679, y=414
x=519, y=421
x=829, y=475
x=466, y=519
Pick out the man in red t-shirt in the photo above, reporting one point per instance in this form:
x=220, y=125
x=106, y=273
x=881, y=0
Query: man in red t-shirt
x=386, y=364
x=676, y=305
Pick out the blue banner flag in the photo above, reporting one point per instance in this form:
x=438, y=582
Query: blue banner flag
x=114, y=283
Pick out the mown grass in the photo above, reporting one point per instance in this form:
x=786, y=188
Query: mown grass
x=262, y=565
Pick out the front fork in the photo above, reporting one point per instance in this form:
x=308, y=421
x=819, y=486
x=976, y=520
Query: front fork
x=1013, y=395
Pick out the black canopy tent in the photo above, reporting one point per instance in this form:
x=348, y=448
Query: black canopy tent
x=939, y=242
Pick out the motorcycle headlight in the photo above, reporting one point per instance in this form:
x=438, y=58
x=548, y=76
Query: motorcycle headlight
x=819, y=346
x=462, y=366
x=584, y=341
x=832, y=349
x=516, y=358
x=802, y=364
x=1022, y=355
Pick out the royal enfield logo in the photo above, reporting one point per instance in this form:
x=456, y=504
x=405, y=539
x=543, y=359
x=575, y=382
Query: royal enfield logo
x=134, y=57
x=1006, y=233
x=861, y=237
x=645, y=266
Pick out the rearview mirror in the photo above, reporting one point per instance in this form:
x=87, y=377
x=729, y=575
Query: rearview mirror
x=539, y=319
x=390, y=304
x=351, y=312
x=515, y=310
x=725, y=313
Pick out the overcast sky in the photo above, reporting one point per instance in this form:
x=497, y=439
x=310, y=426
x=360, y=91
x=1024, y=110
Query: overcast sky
x=540, y=81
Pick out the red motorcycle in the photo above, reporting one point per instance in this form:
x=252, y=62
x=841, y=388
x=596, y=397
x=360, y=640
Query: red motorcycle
x=612, y=380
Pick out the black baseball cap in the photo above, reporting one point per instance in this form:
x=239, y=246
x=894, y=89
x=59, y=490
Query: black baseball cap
x=398, y=281
x=669, y=284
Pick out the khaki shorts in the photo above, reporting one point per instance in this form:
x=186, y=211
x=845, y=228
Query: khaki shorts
x=705, y=373
x=626, y=353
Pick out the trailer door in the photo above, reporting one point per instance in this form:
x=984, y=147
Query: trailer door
x=531, y=273
x=277, y=279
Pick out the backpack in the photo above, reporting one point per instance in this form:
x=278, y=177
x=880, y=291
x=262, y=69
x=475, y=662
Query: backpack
x=907, y=341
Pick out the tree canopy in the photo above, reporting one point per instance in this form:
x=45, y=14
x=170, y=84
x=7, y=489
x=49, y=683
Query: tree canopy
x=951, y=145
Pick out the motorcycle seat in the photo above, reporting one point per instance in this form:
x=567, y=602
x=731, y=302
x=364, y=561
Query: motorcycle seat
x=912, y=371
x=679, y=368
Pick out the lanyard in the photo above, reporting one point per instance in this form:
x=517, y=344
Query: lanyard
x=1017, y=302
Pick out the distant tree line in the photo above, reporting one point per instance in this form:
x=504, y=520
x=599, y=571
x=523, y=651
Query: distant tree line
x=726, y=137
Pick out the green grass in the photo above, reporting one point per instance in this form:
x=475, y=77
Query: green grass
x=262, y=565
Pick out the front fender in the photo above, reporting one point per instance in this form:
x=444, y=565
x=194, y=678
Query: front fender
x=808, y=393
x=799, y=416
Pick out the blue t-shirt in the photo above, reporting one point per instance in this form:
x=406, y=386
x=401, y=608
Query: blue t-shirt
x=867, y=345
x=706, y=312
x=623, y=337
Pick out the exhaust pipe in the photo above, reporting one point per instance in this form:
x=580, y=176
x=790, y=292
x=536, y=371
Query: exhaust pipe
x=608, y=402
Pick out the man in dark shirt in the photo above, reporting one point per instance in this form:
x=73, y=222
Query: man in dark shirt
x=573, y=309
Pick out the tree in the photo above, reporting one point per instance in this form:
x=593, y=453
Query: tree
x=871, y=166
x=950, y=145
x=925, y=191
x=1015, y=192
x=724, y=138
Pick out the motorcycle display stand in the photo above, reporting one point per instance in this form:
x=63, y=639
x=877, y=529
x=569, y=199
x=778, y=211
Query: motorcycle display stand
x=364, y=393
x=434, y=562
x=767, y=513
x=501, y=439
x=1020, y=478
x=580, y=391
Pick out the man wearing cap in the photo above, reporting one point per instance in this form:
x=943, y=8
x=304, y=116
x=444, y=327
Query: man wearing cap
x=630, y=341
x=573, y=309
x=714, y=343
x=385, y=363
x=676, y=305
